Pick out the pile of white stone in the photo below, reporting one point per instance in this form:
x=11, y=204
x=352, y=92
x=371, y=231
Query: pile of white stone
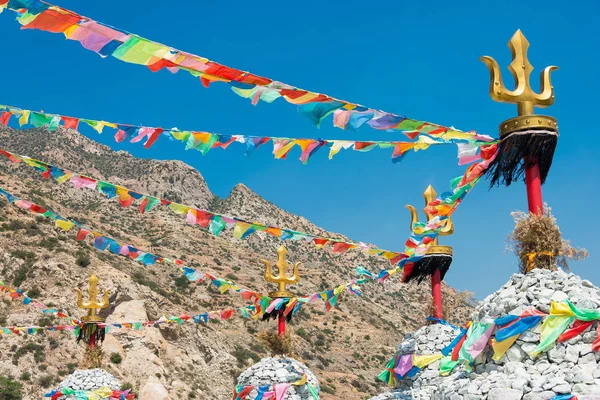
x=568, y=368
x=271, y=371
x=89, y=379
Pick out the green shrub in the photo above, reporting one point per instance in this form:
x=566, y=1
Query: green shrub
x=23, y=255
x=25, y=376
x=49, y=243
x=9, y=389
x=242, y=354
x=46, y=381
x=116, y=358
x=83, y=259
x=34, y=292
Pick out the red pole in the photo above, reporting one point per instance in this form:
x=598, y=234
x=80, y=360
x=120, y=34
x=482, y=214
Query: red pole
x=534, y=190
x=436, y=291
x=93, y=340
x=281, y=325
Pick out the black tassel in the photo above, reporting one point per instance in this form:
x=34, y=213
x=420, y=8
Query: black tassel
x=426, y=266
x=519, y=151
x=276, y=313
x=87, y=331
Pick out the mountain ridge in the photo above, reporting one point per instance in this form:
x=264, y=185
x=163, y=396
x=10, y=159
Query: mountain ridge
x=346, y=345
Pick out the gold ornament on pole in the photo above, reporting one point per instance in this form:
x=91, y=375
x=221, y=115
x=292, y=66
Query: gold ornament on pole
x=430, y=195
x=523, y=95
x=92, y=305
x=282, y=279
x=527, y=142
x=90, y=331
x=437, y=261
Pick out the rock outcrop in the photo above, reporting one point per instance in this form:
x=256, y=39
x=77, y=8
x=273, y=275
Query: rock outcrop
x=568, y=367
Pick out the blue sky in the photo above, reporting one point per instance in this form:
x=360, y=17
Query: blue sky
x=416, y=59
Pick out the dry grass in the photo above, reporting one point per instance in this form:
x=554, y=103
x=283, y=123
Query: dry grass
x=456, y=306
x=537, y=234
x=92, y=358
x=277, y=345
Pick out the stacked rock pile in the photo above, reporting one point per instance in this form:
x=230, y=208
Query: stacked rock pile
x=271, y=371
x=89, y=379
x=569, y=367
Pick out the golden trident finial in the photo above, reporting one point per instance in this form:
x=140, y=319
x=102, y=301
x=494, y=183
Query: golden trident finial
x=92, y=305
x=282, y=279
x=429, y=195
x=525, y=98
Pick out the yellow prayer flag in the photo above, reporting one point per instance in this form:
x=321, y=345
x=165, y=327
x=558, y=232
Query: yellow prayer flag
x=301, y=381
x=70, y=30
x=557, y=308
x=64, y=225
x=424, y=360
x=179, y=208
x=24, y=117
x=305, y=98
x=64, y=178
x=104, y=392
x=501, y=347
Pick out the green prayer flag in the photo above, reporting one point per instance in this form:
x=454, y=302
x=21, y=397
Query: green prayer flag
x=217, y=224
x=552, y=328
x=447, y=365
x=39, y=119
x=582, y=314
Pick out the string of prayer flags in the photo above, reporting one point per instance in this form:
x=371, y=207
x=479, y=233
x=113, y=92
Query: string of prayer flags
x=423, y=234
x=102, y=242
x=213, y=222
x=205, y=141
x=564, y=322
x=18, y=293
x=128, y=47
x=102, y=393
x=262, y=302
x=277, y=391
x=76, y=325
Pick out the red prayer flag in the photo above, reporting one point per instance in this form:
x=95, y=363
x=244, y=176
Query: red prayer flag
x=37, y=209
x=82, y=234
x=5, y=117
x=70, y=123
x=578, y=327
x=53, y=21
x=596, y=343
x=341, y=247
x=152, y=137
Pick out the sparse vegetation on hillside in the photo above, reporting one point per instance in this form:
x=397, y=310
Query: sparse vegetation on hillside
x=48, y=263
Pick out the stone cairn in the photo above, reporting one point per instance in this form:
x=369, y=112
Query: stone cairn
x=569, y=367
x=271, y=371
x=89, y=379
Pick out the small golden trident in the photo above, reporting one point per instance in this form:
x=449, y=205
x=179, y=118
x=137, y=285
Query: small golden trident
x=429, y=195
x=92, y=305
x=282, y=279
x=525, y=98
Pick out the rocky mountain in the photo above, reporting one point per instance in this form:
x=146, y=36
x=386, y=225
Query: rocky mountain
x=345, y=347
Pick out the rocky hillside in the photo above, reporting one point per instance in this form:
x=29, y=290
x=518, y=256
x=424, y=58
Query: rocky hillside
x=345, y=347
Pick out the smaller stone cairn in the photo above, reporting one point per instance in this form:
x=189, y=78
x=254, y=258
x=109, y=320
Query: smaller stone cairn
x=569, y=367
x=271, y=371
x=89, y=379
